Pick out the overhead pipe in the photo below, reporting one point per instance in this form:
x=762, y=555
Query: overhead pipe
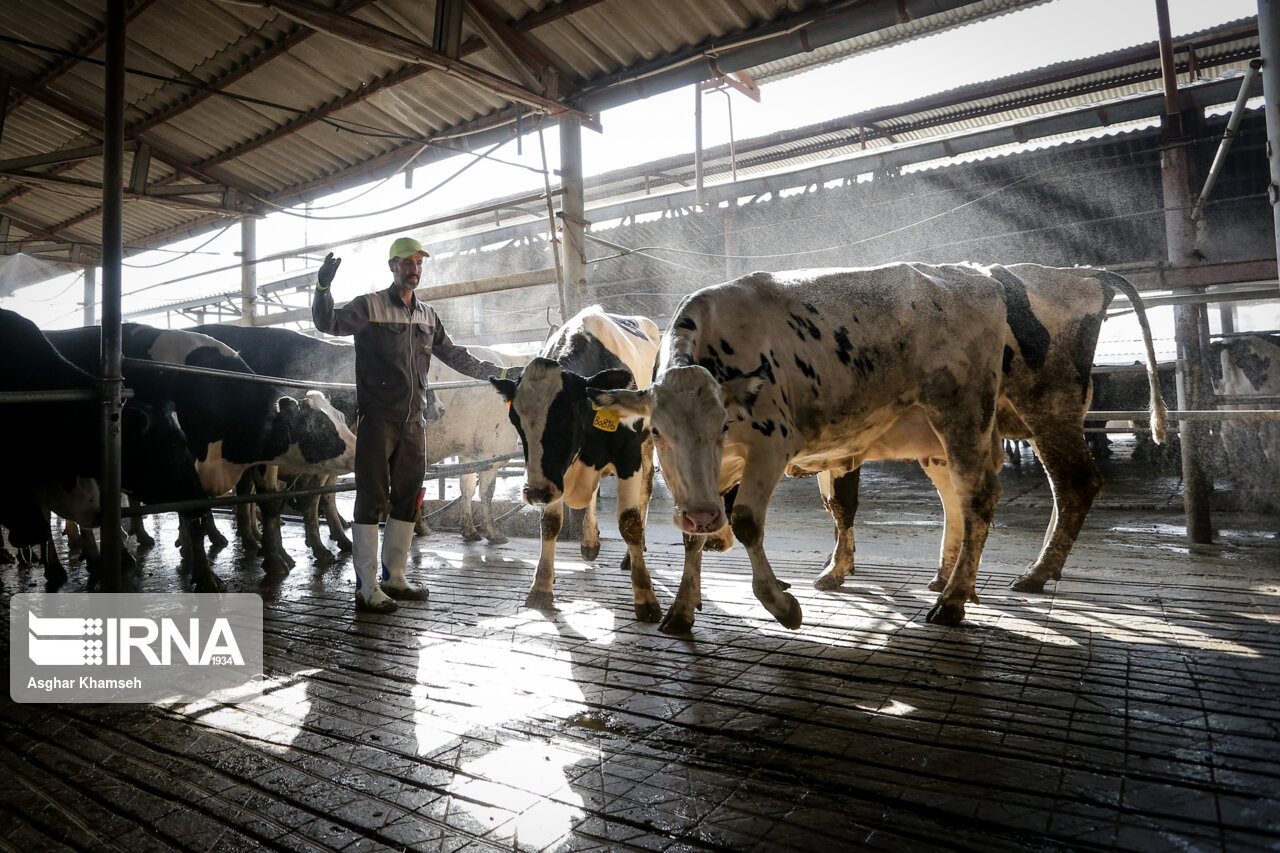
x=1228, y=136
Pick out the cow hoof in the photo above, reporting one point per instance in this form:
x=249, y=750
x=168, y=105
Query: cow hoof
x=145, y=541
x=1027, y=583
x=945, y=614
x=538, y=600
x=275, y=565
x=497, y=539
x=212, y=583
x=471, y=536
x=323, y=556
x=828, y=582
x=676, y=624
x=590, y=552
x=937, y=585
x=791, y=616
x=648, y=611
x=54, y=579
x=421, y=529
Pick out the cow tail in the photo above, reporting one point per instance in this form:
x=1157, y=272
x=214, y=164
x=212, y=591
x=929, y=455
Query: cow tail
x=1159, y=412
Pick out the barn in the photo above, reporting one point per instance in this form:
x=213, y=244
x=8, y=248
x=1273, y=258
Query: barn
x=168, y=164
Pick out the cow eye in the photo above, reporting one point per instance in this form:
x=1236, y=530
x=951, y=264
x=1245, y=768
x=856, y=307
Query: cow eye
x=654, y=431
x=725, y=429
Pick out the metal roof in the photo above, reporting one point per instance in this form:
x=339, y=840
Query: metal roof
x=236, y=106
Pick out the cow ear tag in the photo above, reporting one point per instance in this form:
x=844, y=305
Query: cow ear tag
x=605, y=419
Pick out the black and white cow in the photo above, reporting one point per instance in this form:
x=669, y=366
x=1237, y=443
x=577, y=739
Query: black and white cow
x=293, y=355
x=55, y=448
x=569, y=446
x=1052, y=320
x=805, y=371
x=231, y=424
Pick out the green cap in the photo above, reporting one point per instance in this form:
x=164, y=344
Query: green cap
x=407, y=247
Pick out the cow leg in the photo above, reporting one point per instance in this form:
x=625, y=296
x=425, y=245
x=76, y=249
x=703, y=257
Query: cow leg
x=591, y=528
x=217, y=541
x=747, y=520
x=246, y=514
x=136, y=526
x=633, y=505
x=840, y=496
x=275, y=560
x=6, y=557
x=337, y=526
x=311, y=525
x=679, y=618
x=540, y=594
x=467, y=488
x=192, y=530
x=1076, y=481
x=488, y=482
x=952, y=521
x=420, y=527
x=75, y=546
x=974, y=466
x=55, y=575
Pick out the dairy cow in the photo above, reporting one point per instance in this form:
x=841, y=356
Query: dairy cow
x=231, y=424
x=293, y=355
x=1052, y=320
x=569, y=446
x=804, y=372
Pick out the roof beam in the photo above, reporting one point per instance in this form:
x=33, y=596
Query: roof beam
x=168, y=196
x=375, y=38
x=520, y=53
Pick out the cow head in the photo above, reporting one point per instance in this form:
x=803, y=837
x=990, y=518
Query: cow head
x=312, y=437
x=156, y=464
x=689, y=415
x=549, y=408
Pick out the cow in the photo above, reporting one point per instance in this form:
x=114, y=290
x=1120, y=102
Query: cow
x=231, y=424
x=1053, y=317
x=803, y=372
x=569, y=447
x=474, y=426
x=56, y=447
x=293, y=355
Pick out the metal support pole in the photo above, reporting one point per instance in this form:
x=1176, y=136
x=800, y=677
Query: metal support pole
x=1269, y=43
x=1197, y=486
x=697, y=141
x=1228, y=136
x=90, y=295
x=248, y=270
x=112, y=257
x=573, y=213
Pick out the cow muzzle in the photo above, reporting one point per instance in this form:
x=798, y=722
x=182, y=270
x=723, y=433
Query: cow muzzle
x=540, y=495
x=700, y=521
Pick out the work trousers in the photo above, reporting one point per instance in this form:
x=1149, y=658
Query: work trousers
x=391, y=460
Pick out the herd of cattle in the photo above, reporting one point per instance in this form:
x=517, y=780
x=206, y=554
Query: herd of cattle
x=799, y=373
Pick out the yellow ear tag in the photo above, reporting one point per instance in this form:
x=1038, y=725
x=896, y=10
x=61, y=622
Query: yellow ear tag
x=606, y=419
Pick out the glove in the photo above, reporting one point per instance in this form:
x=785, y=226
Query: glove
x=328, y=270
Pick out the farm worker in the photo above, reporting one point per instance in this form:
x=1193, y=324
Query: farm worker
x=396, y=335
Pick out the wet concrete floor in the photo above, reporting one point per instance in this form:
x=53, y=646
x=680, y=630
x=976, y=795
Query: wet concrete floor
x=1134, y=705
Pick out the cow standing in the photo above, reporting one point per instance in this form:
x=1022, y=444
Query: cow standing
x=804, y=372
x=1052, y=319
x=569, y=446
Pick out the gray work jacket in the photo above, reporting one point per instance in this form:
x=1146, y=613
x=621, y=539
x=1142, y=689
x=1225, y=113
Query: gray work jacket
x=394, y=346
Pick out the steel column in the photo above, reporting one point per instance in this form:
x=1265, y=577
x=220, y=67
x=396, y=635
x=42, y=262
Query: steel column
x=573, y=213
x=1269, y=41
x=112, y=257
x=248, y=270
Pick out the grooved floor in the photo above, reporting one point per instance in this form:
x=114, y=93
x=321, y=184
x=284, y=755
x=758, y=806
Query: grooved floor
x=1134, y=706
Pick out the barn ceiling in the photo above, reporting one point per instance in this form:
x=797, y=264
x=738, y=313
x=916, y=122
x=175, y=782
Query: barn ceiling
x=236, y=107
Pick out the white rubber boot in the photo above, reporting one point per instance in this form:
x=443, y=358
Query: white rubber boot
x=364, y=555
x=396, y=539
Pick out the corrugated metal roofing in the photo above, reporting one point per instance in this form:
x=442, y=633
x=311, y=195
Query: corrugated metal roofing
x=239, y=97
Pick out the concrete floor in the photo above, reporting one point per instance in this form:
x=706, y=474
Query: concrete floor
x=1134, y=706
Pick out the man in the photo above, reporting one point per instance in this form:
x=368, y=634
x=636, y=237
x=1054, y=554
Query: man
x=396, y=335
